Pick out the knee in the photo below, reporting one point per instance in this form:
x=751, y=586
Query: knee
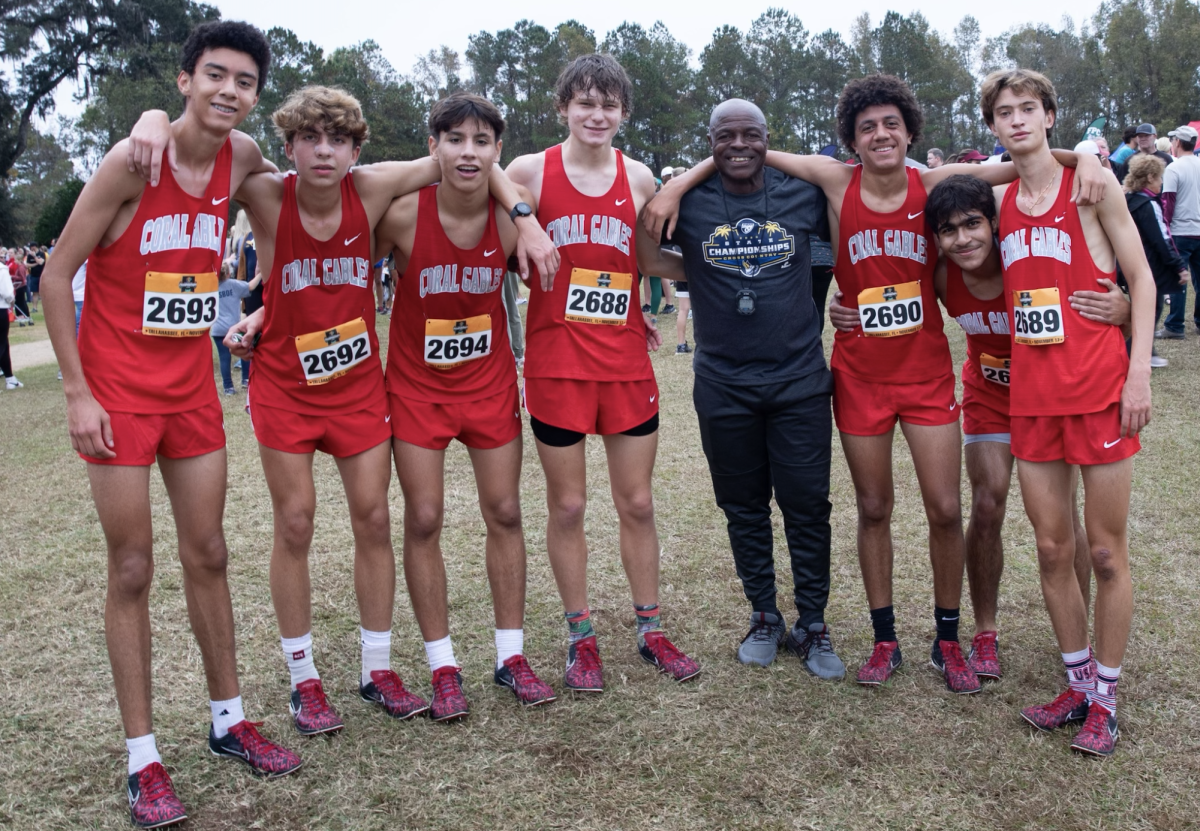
x=987, y=510
x=375, y=524
x=130, y=573
x=874, y=509
x=423, y=521
x=1055, y=555
x=637, y=507
x=945, y=513
x=206, y=556
x=1105, y=564
x=294, y=526
x=504, y=516
x=567, y=511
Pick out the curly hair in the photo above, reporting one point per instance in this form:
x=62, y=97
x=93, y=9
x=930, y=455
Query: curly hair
x=1142, y=166
x=872, y=91
x=228, y=34
x=334, y=110
x=599, y=72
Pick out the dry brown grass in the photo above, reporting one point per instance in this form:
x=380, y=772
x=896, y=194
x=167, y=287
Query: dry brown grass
x=745, y=748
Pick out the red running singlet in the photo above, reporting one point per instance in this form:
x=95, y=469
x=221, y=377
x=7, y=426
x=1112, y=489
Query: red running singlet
x=152, y=296
x=319, y=350
x=1062, y=363
x=448, y=340
x=590, y=327
x=885, y=270
x=989, y=344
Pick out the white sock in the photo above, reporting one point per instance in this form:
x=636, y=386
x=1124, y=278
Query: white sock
x=142, y=751
x=225, y=714
x=509, y=642
x=440, y=654
x=299, y=655
x=376, y=652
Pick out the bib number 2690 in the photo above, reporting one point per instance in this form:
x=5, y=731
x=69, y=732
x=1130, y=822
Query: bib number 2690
x=890, y=311
x=598, y=297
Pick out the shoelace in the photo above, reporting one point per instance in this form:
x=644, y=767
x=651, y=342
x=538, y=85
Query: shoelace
x=154, y=784
x=445, y=683
x=760, y=630
x=522, y=673
x=952, y=656
x=252, y=741
x=312, y=698
x=666, y=651
x=1063, y=704
x=821, y=642
x=389, y=685
x=880, y=657
x=1096, y=723
x=986, y=647
x=586, y=655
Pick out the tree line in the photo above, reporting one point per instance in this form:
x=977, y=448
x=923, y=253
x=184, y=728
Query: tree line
x=1132, y=61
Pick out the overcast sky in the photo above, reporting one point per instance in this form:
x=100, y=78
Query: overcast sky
x=407, y=30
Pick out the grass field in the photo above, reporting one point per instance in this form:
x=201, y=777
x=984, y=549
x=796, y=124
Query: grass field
x=742, y=748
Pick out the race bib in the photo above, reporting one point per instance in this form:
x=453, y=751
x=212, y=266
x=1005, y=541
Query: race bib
x=334, y=352
x=890, y=311
x=451, y=343
x=179, y=305
x=598, y=297
x=994, y=369
x=1037, y=314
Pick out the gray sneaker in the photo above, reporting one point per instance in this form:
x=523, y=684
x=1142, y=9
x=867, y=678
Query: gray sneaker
x=767, y=632
x=1167, y=334
x=814, y=647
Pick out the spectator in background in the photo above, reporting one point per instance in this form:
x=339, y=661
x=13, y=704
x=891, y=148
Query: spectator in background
x=1127, y=148
x=971, y=156
x=1142, y=186
x=35, y=261
x=1181, y=211
x=1102, y=146
x=667, y=174
x=933, y=159
x=19, y=276
x=1147, y=143
x=230, y=294
x=245, y=261
x=6, y=300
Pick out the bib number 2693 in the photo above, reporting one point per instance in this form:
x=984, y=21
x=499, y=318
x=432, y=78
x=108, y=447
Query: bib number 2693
x=179, y=305
x=598, y=297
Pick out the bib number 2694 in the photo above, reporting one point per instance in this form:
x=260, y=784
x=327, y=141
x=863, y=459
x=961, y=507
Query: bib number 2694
x=598, y=297
x=451, y=343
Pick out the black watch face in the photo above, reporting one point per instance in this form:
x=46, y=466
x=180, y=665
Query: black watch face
x=521, y=209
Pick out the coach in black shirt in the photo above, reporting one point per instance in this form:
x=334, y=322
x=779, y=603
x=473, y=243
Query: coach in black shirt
x=762, y=390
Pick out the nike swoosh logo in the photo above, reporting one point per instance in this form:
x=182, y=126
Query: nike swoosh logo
x=621, y=202
x=386, y=419
x=1109, y=444
x=652, y=398
x=353, y=238
x=1060, y=218
x=219, y=201
x=952, y=406
x=489, y=253
x=914, y=216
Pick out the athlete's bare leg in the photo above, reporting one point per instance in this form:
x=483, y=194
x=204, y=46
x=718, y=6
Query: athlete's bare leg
x=989, y=470
x=366, y=477
x=1046, y=490
x=498, y=481
x=1106, y=514
x=294, y=503
x=122, y=497
x=1083, y=551
x=870, y=461
x=937, y=458
x=196, y=488
x=630, y=468
x=422, y=474
x=566, y=501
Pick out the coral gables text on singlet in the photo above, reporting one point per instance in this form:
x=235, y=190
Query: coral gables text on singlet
x=1062, y=363
x=152, y=296
x=885, y=270
x=590, y=326
x=319, y=350
x=448, y=339
x=987, y=370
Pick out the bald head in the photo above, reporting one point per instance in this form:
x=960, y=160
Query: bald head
x=738, y=108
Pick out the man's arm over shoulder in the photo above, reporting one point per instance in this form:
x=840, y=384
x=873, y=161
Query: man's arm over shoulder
x=825, y=172
x=397, y=229
x=527, y=171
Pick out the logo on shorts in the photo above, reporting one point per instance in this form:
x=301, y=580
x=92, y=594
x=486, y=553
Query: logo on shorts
x=187, y=284
x=460, y=327
x=604, y=280
x=332, y=337
x=1109, y=444
x=1026, y=298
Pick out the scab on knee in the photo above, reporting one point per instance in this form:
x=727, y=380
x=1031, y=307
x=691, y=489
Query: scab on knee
x=1103, y=564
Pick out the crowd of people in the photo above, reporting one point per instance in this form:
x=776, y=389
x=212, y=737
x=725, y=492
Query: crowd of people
x=1023, y=254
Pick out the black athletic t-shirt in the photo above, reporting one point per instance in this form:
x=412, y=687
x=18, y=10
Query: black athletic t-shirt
x=757, y=241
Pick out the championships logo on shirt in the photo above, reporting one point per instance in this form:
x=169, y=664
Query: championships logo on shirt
x=748, y=246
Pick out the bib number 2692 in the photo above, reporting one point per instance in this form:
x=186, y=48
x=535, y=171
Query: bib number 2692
x=179, y=305
x=332, y=353
x=598, y=297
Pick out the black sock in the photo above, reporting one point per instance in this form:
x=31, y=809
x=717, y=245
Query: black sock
x=947, y=623
x=884, y=622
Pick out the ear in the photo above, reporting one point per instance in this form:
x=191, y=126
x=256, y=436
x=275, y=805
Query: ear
x=184, y=83
x=1051, y=117
x=354, y=157
x=289, y=151
x=433, y=146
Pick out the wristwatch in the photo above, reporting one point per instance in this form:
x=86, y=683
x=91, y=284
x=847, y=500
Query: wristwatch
x=519, y=210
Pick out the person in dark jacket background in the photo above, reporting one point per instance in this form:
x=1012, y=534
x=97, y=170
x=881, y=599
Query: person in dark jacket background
x=1142, y=186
